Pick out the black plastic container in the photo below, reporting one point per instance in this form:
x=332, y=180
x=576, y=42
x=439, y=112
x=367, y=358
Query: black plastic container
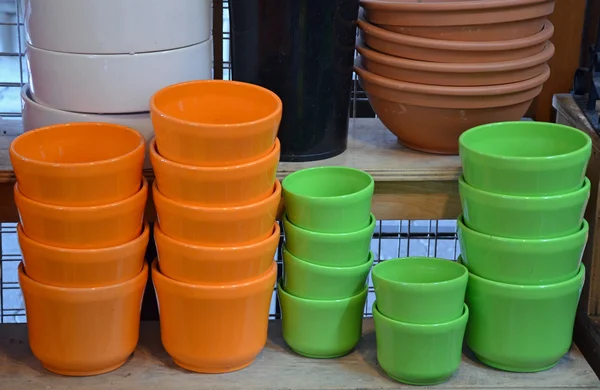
x=303, y=50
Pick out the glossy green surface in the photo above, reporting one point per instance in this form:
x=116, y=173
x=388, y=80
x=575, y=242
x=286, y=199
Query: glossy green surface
x=521, y=328
x=331, y=249
x=321, y=329
x=419, y=354
x=525, y=158
x=420, y=290
x=523, y=216
x=329, y=199
x=522, y=261
x=313, y=281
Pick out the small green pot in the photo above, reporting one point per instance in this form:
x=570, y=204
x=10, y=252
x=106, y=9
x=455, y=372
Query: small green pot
x=523, y=216
x=329, y=199
x=321, y=329
x=525, y=158
x=419, y=354
x=313, y=281
x=521, y=328
x=329, y=249
x=420, y=290
x=522, y=261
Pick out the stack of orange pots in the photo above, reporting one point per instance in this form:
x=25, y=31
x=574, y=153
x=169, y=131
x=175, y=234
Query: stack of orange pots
x=81, y=199
x=216, y=195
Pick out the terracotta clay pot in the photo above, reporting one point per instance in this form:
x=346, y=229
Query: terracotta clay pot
x=437, y=50
x=430, y=118
x=484, y=20
x=214, y=329
x=454, y=74
x=83, y=331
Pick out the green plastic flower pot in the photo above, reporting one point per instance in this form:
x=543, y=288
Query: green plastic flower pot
x=522, y=261
x=420, y=290
x=314, y=281
x=419, y=354
x=329, y=249
x=525, y=158
x=531, y=217
x=321, y=329
x=521, y=328
x=329, y=199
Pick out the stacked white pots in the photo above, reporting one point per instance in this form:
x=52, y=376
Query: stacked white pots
x=101, y=60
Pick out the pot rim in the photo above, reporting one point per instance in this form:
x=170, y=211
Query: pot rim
x=86, y=251
x=377, y=32
x=281, y=290
x=139, y=278
x=270, y=117
x=219, y=209
x=486, y=90
x=155, y=155
x=274, y=236
x=585, y=188
x=443, y=67
x=417, y=259
x=132, y=200
x=508, y=240
x=463, y=318
x=449, y=6
x=231, y=287
x=339, y=236
x=332, y=268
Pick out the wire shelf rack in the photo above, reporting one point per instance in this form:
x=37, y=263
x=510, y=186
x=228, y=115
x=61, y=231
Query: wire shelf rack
x=391, y=238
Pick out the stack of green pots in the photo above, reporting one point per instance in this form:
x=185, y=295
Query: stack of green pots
x=328, y=229
x=522, y=236
x=420, y=318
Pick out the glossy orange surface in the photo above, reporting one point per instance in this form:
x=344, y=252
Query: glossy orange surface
x=63, y=267
x=215, y=122
x=214, y=329
x=83, y=331
x=214, y=265
x=217, y=226
x=83, y=227
x=232, y=185
x=78, y=164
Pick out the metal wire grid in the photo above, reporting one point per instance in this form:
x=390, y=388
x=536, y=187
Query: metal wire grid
x=391, y=238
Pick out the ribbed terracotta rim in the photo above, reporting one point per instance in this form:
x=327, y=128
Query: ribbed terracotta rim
x=409, y=40
x=449, y=6
x=443, y=67
x=486, y=90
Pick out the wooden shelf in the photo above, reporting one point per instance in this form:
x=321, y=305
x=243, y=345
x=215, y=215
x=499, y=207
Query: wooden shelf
x=150, y=368
x=409, y=184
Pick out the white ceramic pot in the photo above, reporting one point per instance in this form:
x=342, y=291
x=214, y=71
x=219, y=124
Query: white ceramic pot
x=110, y=84
x=116, y=26
x=36, y=115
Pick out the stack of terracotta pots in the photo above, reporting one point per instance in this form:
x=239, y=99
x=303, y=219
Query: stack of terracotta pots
x=433, y=69
x=81, y=199
x=216, y=195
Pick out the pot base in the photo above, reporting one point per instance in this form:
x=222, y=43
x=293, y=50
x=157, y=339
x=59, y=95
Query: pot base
x=211, y=370
x=452, y=152
x=311, y=356
x=433, y=383
x=60, y=371
x=503, y=367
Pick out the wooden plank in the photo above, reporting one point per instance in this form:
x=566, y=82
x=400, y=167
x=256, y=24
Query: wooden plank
x=568, y=113
x=150, y=368
x=409, y=184
x=568, y=18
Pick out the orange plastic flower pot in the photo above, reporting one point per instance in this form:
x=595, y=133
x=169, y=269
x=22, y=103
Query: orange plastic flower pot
x=214, y=265
x=63, y=267
x=232, y=185
x=214, y=329
x=217, y=226
x=89, y=227
x=78, y=164
x=83, y=331
x=215, y=122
